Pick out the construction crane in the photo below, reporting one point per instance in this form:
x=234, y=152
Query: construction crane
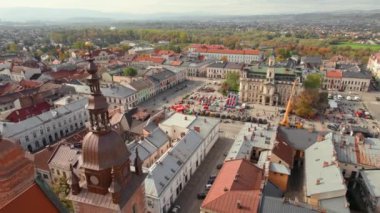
x=285, y=121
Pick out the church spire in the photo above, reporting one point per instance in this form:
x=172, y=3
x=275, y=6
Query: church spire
x=138, y=163
x=97, y=104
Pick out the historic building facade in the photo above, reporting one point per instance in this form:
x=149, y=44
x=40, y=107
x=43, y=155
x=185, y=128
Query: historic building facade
x=267, y=85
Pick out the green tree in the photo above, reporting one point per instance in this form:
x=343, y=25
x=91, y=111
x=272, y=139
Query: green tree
x=79, y=45
x=231, y=83
x=313, y=81
x=130, y=71
x=62, y=189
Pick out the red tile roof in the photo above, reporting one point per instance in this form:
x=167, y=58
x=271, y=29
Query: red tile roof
x=145, y=58
x=26, y=112
x=31, y=200
x=164, y=52
x=334, y=74
x=176, y=63
x=42, y=157
x=238, y=180
x=30, y=83
x=68, y=75
x=10, y=88
x=283, y=151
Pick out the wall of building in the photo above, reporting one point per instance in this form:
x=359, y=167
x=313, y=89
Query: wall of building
x=280, y=180
x=51, y=131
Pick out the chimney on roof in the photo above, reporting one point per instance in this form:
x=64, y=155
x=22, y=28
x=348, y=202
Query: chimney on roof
x=185, y=118
x=318, y=182
x=245, y=138
x=48, y=147
x=239, y=205
x=325, y=164
x=205, y=120
x=197, y=129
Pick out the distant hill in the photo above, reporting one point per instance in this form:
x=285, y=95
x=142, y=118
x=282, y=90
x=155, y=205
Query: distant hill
x=25, y=14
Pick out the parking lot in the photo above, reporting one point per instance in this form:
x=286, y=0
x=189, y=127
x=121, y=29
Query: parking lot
x=354, y=113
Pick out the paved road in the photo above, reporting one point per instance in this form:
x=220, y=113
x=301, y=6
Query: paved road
x=188, y=197
x=157, y=102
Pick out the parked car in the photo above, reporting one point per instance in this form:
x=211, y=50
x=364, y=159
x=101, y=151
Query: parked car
x=219, y=166
x=175, y=209
x=212, y=177
x=201, y=195
x=210, y=181
x=334, y=127
x=208, y=187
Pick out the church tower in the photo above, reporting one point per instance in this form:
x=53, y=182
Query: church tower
x=106, y=162
x=271, y=69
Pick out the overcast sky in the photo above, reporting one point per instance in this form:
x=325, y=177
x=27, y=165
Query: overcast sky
x=230, y=7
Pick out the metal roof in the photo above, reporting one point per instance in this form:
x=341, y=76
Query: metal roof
x=206, y=125
x=299, y=139
x=168, y=165
x=371, y=179
x=335, y=205
x=322, y=173
x=252, y=135
x=178, y=119
x=157, y=137
x=349, y=151
x=279, y=168
x=11, y=129
x=63, y=156
x=279, y=205
x=114, y=90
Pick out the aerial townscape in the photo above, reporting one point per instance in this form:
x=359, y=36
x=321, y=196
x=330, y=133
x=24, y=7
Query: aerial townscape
x=190, y=107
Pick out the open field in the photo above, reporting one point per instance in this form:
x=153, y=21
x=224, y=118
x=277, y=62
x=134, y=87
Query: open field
x=358, y=46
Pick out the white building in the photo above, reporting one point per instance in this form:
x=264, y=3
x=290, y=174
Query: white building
x=324, y=183
x=238, y=56
x=193, y=138
x=221, y=69
x=252, y=140
x=19, y=73
x=37, y=132
x=374, y=64
x=116, y=95
x=59, y=163
x=167, y=178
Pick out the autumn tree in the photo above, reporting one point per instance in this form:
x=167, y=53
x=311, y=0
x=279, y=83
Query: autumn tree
x=224, y=59
x=61, y=188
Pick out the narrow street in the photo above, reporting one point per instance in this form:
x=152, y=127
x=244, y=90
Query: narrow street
x=188, y=197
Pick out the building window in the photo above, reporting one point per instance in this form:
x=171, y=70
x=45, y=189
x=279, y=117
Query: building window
x=134, y=208
x=34, y=134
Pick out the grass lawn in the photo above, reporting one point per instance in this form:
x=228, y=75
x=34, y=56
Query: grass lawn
x=358, y=46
